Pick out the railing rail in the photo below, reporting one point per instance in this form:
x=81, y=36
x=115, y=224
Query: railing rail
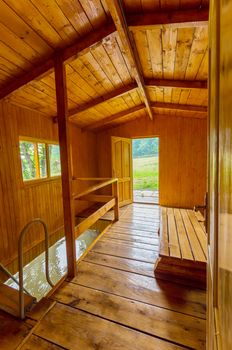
x=94, y=187
x=109, y=201
x=20, y=261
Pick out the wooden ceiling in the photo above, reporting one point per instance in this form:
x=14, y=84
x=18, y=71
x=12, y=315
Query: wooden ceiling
x=151, y=59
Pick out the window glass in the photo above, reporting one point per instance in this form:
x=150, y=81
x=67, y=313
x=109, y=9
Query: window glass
x=54, y=160
x=42, y=159
x=27, y=154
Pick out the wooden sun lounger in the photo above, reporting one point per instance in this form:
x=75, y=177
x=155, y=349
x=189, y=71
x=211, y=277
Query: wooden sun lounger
x=183, y=247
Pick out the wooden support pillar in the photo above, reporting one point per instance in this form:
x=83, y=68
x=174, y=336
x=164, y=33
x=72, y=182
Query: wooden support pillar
x=63, y=127
x=116, y=195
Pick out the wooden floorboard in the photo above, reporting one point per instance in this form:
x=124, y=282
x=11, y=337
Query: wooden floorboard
x=12, y=331
x=139, y=245
x=115, y=302
x=139, y=267
x=142, y=288
x=75, y=329
x=37, y=343
x=169, y=324
x=132, y=238
x=125, y=251
x=134, y=232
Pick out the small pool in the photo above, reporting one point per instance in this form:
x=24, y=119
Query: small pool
x=34, y=273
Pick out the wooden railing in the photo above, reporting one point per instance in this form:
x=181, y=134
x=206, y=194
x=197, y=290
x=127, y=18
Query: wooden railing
x=109, y=202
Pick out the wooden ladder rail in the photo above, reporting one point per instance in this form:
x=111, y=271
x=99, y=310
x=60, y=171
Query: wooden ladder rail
x=20, y=261
x=109, y=201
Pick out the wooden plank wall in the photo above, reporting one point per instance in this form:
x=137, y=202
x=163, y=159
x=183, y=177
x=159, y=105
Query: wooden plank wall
x=19, y=203
x=183, y=155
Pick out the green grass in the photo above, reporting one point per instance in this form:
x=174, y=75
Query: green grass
x=145, y=173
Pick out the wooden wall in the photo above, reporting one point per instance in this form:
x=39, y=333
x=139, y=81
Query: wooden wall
x=183, y=155
x=21, y=202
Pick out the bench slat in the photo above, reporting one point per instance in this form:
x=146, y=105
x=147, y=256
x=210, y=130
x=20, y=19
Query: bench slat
x=200, y=233
x=172, y=234
x=183, y=237
x=193, y=239
x=164, y=249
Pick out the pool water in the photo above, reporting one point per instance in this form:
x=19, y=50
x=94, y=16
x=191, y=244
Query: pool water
x=34, y=273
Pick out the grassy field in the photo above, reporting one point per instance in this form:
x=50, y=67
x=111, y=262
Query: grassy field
x=145, y=173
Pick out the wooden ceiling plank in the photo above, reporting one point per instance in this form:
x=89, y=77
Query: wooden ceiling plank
x=155, y=50
x=113, y=117
x=80, y=47
x=183, y=49
x=169, y=40
x=198, y=50
x=116, y=11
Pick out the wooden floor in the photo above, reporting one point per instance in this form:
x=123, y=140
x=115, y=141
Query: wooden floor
x=115, y=302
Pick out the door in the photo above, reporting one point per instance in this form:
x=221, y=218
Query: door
x=122, y=167
x=220, y=178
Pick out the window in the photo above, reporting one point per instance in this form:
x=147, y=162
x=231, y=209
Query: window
x=40, y=160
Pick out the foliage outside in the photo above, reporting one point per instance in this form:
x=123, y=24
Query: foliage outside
x=34, y=160
x=27, y=154
x=146, y=164
x=54, y=157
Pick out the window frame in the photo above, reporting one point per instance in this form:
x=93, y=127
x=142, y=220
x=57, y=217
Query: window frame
x=38, y=179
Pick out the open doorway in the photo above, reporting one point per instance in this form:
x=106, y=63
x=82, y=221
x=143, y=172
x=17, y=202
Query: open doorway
x=145, y=154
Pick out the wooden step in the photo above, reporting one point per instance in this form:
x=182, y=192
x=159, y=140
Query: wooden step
x=9, y=300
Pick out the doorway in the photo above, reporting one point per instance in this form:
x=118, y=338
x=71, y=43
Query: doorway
x=145, y=159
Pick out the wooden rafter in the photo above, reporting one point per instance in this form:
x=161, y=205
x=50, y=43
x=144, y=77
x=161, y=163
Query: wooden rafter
x=154, y=105
x=184, y=84
x=116, y=11
x=113, y=117
x=185, y=18
x=69, y=53
x=109, y=96
x=179, y=107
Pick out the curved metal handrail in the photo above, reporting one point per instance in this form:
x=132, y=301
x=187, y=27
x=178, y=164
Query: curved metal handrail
x=20, y=261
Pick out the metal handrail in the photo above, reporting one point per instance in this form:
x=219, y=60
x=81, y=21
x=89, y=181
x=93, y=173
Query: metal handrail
x=8, y=273
x=20, y=261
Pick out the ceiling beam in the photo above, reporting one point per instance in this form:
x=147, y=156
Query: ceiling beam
x=154, y=105
x=105, y=98
x=180, y=18
x=179, y=107
x=184, y=84
x=113, y=117
x=116, y=11
x=81, y=47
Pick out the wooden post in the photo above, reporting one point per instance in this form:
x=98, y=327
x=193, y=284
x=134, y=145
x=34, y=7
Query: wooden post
x=116, y=195
x=63, y=127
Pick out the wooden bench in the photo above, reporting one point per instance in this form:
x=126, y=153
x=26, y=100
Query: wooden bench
x=183, y=247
